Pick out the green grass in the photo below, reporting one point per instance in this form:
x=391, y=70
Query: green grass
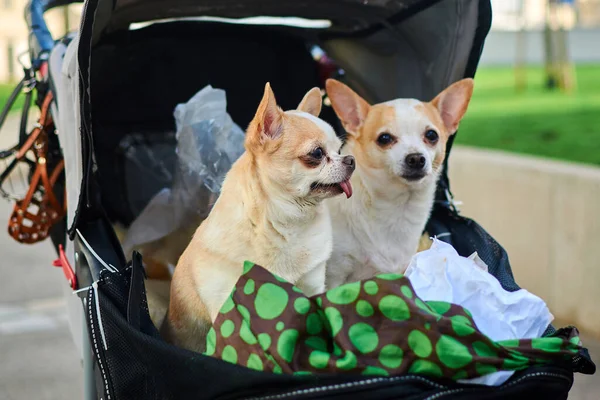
x=5, y=91
x=535, y=121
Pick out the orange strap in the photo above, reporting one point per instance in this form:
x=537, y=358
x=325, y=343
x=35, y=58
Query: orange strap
x=39, y=210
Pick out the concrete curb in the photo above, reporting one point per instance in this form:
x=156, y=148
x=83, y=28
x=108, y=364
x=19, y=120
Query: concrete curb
x=546, y=214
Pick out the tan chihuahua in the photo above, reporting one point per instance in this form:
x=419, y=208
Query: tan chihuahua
x=399, y=148
x=270, y=212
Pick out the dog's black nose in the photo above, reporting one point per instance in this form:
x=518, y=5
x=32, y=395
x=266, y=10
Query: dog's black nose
x=349, y=161
x=415, y=161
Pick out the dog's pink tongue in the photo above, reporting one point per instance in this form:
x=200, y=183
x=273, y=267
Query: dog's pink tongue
x=347, y=188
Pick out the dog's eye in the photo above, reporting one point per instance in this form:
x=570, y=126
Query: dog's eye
x=431, y=136
x=317, y=153
x=385, y=139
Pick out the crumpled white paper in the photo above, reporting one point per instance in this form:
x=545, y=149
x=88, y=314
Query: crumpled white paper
x=441, y=274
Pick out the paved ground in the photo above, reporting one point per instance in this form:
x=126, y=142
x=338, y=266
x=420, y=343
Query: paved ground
x=38, y=359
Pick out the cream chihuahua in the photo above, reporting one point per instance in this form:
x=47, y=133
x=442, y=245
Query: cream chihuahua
x=270, y=211
x=399, y=148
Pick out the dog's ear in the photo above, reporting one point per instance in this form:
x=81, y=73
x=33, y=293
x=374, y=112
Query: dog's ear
x=312, y=101
x=268, y=120
x=350, y=108
x=452, y=103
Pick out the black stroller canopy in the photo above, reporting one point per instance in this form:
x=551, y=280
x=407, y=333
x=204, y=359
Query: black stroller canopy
x=416, y=47
x=387, y=49
x=345, y=15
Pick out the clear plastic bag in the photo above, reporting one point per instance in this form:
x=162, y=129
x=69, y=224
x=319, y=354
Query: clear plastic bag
x=208, y=143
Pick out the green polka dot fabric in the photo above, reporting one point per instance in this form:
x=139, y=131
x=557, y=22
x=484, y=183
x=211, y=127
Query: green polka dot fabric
x=374, y=327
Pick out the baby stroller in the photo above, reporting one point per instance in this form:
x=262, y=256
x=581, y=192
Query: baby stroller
x=110, y=81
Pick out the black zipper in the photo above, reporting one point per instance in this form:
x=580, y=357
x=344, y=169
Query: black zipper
x=96, y=342
x=499, y=388
x=348, y=385
x=369, y=382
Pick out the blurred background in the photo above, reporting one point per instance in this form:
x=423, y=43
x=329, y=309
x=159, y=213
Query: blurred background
x=526, y=167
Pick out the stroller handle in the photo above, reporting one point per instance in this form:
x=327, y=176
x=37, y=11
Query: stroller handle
x=40, y=38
